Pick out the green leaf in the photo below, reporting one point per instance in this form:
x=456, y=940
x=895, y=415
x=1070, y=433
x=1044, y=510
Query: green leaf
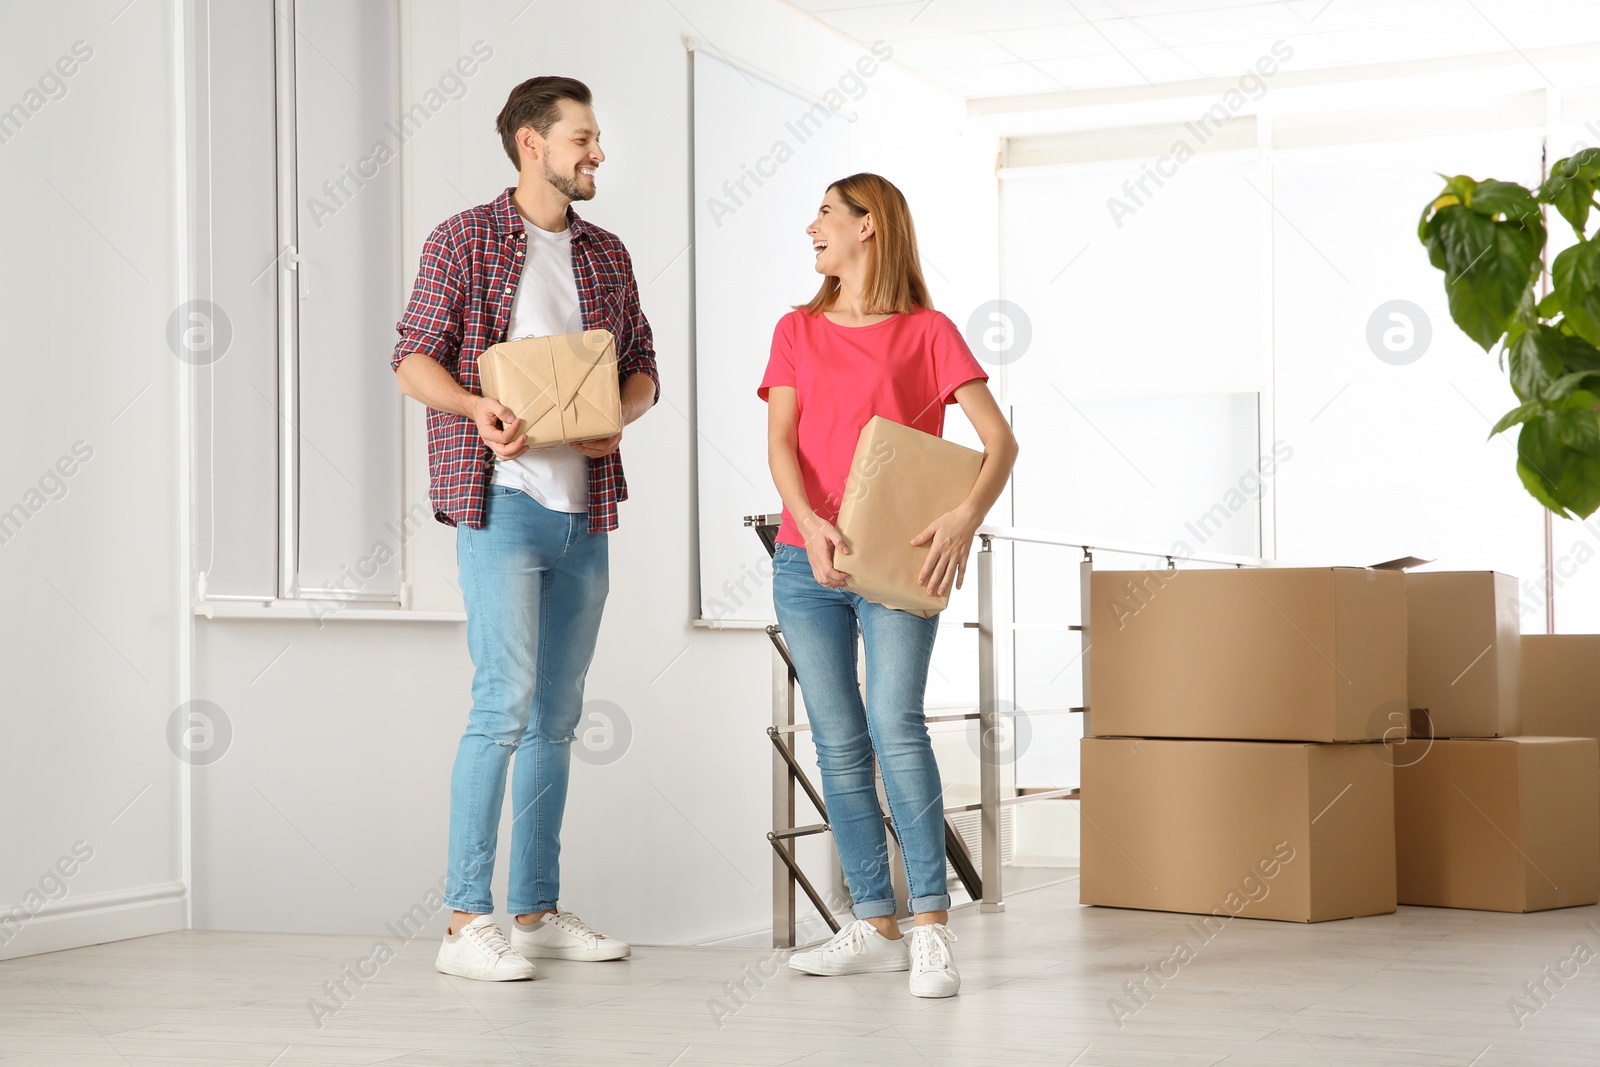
x=1525, y=318
x=1576, y=423
x=1578, y=354
x=1487, y=237
x=1550, y=306
x=1571, y=187
x=1558, y=456
x=1576, y=276
x=1508, y=199
x=1535, y=357
x=1539, y=489
x=1516, y=416
x=1570, y=383
x=1463, y=244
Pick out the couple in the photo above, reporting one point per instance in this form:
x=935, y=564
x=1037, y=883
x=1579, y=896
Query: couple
x=531, y=530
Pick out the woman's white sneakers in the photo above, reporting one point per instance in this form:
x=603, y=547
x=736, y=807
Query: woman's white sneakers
x=859, y=949
x=480, y=951
x=561, y=935
x=933, y=969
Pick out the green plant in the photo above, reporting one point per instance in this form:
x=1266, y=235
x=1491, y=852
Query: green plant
x=1489, y=239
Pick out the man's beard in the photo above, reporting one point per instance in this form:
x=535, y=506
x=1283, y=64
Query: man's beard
x=567, y=185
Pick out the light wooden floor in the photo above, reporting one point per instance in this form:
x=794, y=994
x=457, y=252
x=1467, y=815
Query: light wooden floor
x=1422, y=987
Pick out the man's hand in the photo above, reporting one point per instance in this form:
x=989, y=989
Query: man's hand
x=602, y=446
x=499, y=427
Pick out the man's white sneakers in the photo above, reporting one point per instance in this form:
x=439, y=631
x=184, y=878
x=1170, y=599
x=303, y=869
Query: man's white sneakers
x=561, y=935
x=857, y=948
x=933, y=969
x=480, y=951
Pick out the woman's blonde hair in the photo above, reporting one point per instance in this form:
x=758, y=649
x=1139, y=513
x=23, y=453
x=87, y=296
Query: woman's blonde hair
x=894, y=282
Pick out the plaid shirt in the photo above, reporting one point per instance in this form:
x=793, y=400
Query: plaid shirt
x=461, y=305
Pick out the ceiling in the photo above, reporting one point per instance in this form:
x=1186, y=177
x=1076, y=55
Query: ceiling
x=983, y=48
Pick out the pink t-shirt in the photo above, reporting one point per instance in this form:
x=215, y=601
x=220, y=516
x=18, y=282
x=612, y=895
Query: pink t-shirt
x=905, y=368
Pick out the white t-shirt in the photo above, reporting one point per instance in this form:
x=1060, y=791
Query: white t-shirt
x=546, y=303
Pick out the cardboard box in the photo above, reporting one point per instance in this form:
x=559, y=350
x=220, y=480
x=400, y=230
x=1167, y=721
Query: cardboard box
x=1561, y=685
x=1464, y=653
x=900, y=480
x=1274, y=654
x=1266, y=830
x=564, y=388
x=1499, y=824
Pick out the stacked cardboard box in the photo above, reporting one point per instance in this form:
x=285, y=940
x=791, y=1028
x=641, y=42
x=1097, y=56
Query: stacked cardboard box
x=1561, y=684
x=1486, y=818
x=1313, y=744
x=1236, y=763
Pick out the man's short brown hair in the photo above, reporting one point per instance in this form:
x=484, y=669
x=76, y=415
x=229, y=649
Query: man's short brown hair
x=537, y=103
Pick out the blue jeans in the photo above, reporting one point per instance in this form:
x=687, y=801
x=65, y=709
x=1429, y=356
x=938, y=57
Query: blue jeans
x=534, y=582
x=820, y=626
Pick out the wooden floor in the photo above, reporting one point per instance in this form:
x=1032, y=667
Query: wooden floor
x=1423, y=987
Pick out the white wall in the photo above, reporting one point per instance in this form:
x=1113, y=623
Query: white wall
x=90, y=653
x=329, y=812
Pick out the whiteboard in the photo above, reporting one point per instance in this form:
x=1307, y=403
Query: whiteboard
x=761, y=167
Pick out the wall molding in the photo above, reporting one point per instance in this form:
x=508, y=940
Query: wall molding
x=93, y=919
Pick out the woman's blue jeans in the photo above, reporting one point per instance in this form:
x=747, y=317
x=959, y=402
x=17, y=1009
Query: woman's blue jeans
x=820, y=626
x=534, y=582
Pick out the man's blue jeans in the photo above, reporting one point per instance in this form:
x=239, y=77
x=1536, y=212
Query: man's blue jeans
x=820, y=626
x=534, y=582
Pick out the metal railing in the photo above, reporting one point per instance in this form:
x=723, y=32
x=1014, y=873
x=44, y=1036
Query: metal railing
x=985, y=887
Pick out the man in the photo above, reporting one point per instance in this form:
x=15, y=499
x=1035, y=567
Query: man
x=531, y=526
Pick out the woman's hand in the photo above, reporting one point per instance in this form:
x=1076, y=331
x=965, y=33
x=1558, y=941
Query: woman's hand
x=949, y=540
x=823, y=539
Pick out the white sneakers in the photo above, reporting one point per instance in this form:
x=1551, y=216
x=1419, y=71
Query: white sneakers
x=561, y=935
x=858, y=948
x=480, y=951
x=933, y=969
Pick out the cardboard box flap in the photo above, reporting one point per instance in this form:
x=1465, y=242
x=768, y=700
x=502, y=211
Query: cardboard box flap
x=1404, y=563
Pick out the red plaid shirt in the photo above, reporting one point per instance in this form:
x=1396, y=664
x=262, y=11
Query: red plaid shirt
x=461, y=305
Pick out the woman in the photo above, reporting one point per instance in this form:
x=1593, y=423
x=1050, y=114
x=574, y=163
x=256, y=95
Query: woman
x=869, y=343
